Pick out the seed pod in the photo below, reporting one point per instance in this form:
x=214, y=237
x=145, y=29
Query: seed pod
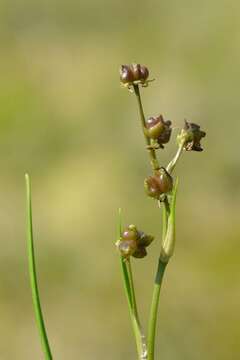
x=154, y=127
x=165, y=181
x=133, y=242
x=158, y=129
x=152, y=188
x=190, y=137
x=134, y=74
x=159, y=184
x=136, y=70
x=140, y=253
x=126, y=247
x=144, y=72
x=164, y=137
x=126, y=74
x=144, y=239
x=130, y=233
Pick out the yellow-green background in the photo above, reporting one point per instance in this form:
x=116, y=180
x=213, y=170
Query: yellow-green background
x=66, y=121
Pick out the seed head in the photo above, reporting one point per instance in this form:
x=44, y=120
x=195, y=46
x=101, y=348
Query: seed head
x=158, y=129
x=133, y=242
x=151, y=186
x=158, y=184
x=191, y=136
x=134, y=74
x=126, y=75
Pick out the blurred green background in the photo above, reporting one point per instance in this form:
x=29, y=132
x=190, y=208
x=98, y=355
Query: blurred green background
x=66, y=121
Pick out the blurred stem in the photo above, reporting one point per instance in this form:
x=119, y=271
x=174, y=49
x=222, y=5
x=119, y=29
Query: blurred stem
x=152, y=152
x=33, y=276
x=174, y=161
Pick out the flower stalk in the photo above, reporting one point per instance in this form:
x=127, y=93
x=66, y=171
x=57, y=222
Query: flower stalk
x=176, y=158
x=152, y=152
x=131, y=300
x=161, y=187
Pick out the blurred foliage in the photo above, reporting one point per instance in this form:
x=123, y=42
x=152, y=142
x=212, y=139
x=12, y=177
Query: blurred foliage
x=65, y=120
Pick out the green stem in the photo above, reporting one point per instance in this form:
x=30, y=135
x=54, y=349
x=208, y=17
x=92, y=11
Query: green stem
x=131, y=299
x=174, y=161
x=157, y=287
x=139, y=335
x=152, y=152
x=33, y=276
x=154, y=309
x=129, y=290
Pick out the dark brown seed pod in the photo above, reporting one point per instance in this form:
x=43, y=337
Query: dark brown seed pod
x=195, y=136
x=144, y=72
x=190, y=137
x=165, y=135
x=126, y=74
x=152, y=188
x=158, y=184
x=144, y=239
x=165, y=181
x=134, y=74
x=136, y=70
x=140, y=252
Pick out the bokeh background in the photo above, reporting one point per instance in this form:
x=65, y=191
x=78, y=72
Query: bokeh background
x=66, y=121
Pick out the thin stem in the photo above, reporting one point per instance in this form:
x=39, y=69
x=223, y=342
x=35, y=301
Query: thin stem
x=157, y=287
x=134, y=304
x=135, y=312
x=33, y=277
x=174, y=161
x=161, y=265
x=139, y=337
x=168, y=241
x=152, y=152
x=131, y=299
x=126, y=283
x=154, y=309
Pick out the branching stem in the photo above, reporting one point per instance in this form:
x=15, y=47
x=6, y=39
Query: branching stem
x=152, y=152
x=174, y=161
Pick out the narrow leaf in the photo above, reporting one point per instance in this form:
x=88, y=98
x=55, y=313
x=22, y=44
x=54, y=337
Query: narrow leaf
x=33, y=276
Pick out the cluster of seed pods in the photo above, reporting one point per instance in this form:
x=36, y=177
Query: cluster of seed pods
x=133, y=242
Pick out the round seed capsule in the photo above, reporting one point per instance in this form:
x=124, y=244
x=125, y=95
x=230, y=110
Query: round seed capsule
x=136, y=70
x=165, y=181
x=140, y=252
x=144, y=72
x=126, y=74
x=130, y=233
x=155, y=127
x=127, y=247
x=152, y=188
